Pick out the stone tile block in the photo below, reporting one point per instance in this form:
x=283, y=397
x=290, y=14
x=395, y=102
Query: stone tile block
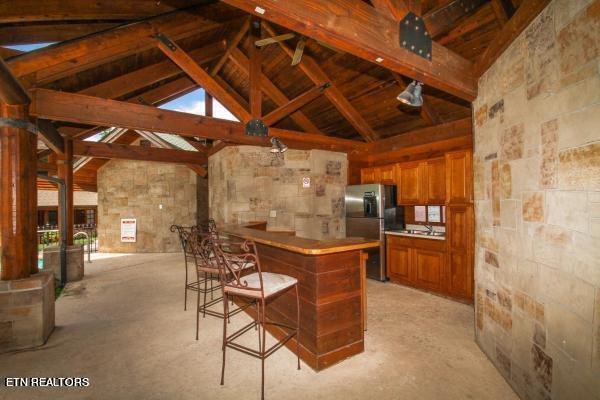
x=549, y=164
x=569, y=332
x=567, y=209
x=512, y=142
x=533, y=206
x=541, y=66
x=510, y=212
x=571, y=292
x=579, y=168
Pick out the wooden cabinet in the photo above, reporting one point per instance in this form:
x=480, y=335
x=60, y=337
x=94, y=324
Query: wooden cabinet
x=422, y=182
x=434, y=181
x=385, y=174
x=459, y=225
x=459, y=180
x=370, y=175
x=409, y=183
x=416, y=262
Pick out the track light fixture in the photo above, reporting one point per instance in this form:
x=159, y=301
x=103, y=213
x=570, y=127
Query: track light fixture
x=277, y=146
x=412, y=94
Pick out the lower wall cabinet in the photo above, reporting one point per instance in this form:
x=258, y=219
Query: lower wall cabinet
x=427, y=264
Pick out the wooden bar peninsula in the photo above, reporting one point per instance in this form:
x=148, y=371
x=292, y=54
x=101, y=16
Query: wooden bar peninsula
x=331, y=282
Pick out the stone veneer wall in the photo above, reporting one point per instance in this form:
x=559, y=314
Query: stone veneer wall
x=537, y=201
x=137, y=189
x=246, y=183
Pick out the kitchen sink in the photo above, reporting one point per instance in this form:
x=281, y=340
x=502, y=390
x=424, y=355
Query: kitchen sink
x=424, y=233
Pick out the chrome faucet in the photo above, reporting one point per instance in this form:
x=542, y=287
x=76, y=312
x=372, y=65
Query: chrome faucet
x=429, y=228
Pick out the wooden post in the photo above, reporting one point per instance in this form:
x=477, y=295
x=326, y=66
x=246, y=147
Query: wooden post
x=255, y=70
x=65, y=172
x=18, y=196
x=208, y=104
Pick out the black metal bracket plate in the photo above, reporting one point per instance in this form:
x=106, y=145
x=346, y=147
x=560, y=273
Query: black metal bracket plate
x=256, y=127
x=414, y=36
x=20, y=124
x=166, y=41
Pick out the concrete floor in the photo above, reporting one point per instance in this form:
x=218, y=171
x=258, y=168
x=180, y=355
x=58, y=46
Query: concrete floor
x=124, y=328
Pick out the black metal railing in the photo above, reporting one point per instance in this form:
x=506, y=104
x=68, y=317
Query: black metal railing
x=85, y=235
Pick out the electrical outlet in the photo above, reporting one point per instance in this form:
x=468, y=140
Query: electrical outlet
x=273, y=214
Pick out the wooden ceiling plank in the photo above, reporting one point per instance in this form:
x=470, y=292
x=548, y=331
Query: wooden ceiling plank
x=5, y=52
x=500, y=12
x=232, y=44
x=135, y=80
x=202, y=78
x=76, y=108
x=316, y=74
x=443, y=19
x=526, y=12
x=273, y=92
x=470, y=24
x=293, y=105
x=369, y=34
x=57, y=61
x=127, y=152
x=48, y=33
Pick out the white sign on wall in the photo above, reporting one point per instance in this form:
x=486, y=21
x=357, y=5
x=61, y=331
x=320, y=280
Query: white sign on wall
x=306, y=182
x=128, y=230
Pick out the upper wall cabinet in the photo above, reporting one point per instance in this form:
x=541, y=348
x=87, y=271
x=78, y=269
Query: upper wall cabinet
x=370, y=175
x=459, y=187
x=422, y=182
x=385, y=175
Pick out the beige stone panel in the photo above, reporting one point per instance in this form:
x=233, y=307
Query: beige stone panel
x=572, y=379
x=579, y=128
x=567, y=209
x=595, y=227
x=512, y=143
x=533, y=206
x=569, y=332
x=522, y=335
x=585, y=257
x=566, y=10
x=549, y=143
x=596, y=334
x=505, y=181
x=525, y=178
x=573, y=293
x=579, y=41
x=541, y=66
x=591, y=69
x=579, y=168
x=526, y=277
x=510, y=212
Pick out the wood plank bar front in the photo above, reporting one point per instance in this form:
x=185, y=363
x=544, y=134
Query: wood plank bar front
x=331, y=289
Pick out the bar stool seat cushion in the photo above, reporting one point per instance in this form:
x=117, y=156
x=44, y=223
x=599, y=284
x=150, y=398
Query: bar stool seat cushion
x=272, y=284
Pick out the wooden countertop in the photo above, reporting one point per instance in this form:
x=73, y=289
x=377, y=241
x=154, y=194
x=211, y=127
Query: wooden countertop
x=298, y=244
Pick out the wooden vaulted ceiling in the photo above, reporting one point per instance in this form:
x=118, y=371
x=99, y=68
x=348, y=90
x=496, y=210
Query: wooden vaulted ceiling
x=361, y=101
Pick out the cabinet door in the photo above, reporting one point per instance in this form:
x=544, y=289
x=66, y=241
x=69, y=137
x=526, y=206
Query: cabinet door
x=388, y=174
x=435, y=181
x=369, y=175
x=399, y=263
x=429, y=269
x=459, y=225
x=409, y=183
x=459, y=172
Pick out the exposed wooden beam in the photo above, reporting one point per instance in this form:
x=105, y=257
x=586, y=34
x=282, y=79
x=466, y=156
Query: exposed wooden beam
x=128, y=152
x=255, y=69
x=273, y=92
x=202, y=78
x=500, y=12
x=443, y=19
x=48, y=33
x=232, y=44
x=5, y=52
x=526, y=12
x=70, y=107
x=143, y=77
x=316, y=74
x=56, y=61
x=361, y=30
x=208, y=104
x=11, y=90
x=397, y=8
x=64, y=163
x=468, y=25
x=293, y=105
x=46, y=167
x=50, y=136
x=59, y=10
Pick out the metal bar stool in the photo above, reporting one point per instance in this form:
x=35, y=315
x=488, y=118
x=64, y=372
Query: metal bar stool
x=258, y=286
x=184, y=233
x=200, y=245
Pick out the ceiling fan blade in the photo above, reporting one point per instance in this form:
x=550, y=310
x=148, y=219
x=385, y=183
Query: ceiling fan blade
x=274, y=39
x=299, y=51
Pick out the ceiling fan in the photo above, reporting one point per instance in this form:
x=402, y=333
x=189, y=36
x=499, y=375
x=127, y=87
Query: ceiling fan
x=299, y=46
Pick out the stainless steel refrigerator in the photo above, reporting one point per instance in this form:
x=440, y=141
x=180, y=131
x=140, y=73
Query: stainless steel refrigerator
x=370, y=211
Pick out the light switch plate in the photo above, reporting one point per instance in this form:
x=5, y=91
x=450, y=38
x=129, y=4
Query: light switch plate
x=273, y=214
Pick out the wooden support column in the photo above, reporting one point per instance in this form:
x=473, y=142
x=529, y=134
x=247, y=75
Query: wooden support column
x=18, y=192
x=65, y=172
x=255, y=70
x=208, y=104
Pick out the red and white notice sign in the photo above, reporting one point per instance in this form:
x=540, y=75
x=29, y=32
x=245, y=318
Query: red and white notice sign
x=128, y=230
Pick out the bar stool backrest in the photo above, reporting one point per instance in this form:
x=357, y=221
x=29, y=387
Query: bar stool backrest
x=235, y=259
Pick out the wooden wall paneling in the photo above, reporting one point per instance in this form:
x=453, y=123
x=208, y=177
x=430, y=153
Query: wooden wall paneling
x=459, y=177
